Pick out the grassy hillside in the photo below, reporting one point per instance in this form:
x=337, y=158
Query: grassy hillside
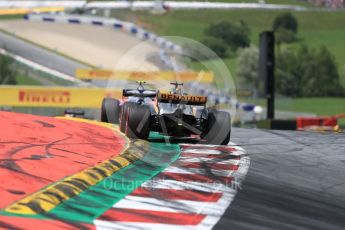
x=316, y=28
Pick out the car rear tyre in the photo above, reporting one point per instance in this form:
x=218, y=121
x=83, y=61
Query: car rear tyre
x=110, y=110
x=123, y=115
x=138, y=122
x=218, y=128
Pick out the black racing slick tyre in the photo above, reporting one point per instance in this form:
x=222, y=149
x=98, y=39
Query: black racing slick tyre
x=218, y=128
x=110, y=110
x=138, y=122
x=124, y=113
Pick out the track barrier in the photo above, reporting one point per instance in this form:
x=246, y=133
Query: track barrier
x=61, y=97
x=185, y=76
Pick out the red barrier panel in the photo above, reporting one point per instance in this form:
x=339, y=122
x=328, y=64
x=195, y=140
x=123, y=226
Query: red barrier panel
x=303, y=122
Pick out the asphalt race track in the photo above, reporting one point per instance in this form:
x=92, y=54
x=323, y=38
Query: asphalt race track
x=295, y=181
x=42, y=56
x=39, y=55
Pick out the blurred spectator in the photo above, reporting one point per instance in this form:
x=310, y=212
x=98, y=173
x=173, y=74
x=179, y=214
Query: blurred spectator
x=330, y=3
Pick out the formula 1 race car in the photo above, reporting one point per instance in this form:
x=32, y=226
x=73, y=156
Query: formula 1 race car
x=74, y=113
x=175, y=114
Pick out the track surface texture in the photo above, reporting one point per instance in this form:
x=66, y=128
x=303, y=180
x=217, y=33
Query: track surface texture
x=295, y=181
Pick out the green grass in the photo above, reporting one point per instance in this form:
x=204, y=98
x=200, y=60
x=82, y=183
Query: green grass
x=319, y=106
x=24, y=80
x=316, y=28
x=9, y=17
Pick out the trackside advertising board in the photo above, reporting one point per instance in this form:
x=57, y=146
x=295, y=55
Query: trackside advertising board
x=12, y=11
x=186, y=76
x=55, y=96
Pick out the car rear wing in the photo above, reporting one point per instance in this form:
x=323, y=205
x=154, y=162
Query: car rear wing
x=181, y=99
x=137, y=93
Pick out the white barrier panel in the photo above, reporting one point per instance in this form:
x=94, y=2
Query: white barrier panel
x=222, y=5
x=149, y=5
x=192, y=5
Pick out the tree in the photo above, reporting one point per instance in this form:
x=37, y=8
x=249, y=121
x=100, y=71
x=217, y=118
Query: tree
x=283, y=35
x=328, y=80
x=308, y=73
x=7, y=73
x=288, y=80
x=233, y=35
x=216, y=45
x=247, y=68
x=285, y=21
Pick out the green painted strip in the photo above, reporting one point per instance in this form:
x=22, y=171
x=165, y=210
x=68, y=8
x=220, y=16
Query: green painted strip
x=93, y=202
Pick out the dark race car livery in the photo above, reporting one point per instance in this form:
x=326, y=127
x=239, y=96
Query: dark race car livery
x=174, y=114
